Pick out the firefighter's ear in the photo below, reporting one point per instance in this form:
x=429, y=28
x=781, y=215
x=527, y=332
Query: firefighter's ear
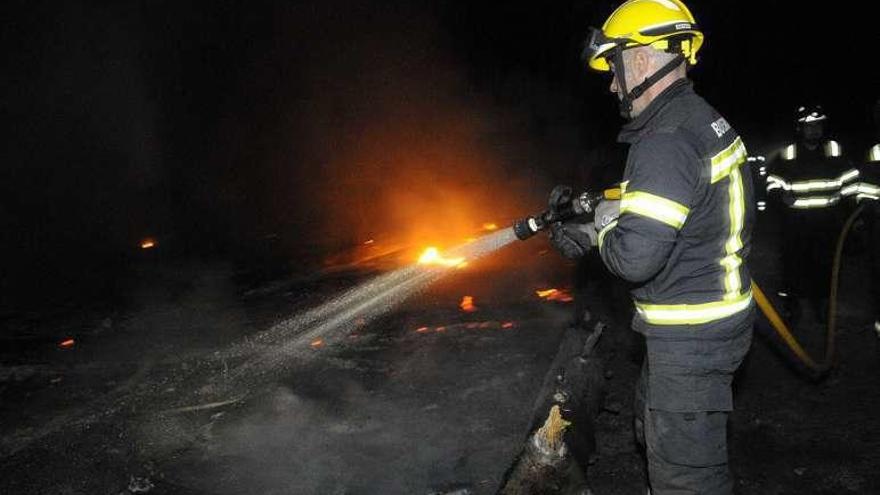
x=641, y=61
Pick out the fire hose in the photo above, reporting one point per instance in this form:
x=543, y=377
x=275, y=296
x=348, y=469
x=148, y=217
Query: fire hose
x=782, y=329
x=571, y=206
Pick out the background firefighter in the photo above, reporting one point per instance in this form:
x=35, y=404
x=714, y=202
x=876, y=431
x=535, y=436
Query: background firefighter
x=681, y=233
x=804, y=186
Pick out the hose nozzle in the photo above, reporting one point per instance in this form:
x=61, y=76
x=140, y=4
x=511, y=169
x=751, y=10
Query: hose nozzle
x=584, y=204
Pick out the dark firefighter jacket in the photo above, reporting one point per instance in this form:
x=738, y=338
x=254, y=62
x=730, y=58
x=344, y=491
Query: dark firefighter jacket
x=686, y=215
x=806, y=179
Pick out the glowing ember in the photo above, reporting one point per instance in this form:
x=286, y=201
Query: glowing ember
x=317, y=343
x=441, y=329
x=555, y=295
x=467, y=304
x=371, y=241
x=490, y=226
x=422, y=329
x=432, y=256
x=507, y=324
x=148, y=243
x=66, y=344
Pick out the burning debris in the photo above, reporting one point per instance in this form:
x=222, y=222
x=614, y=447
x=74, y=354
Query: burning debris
x=560, y=295
x=66, y=343
x=432, y=256
x=148, y=243
x=317, y=343
x=467, y=304
x=472, y=325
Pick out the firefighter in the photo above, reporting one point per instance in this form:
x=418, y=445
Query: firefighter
x=867, y=191
x=805, y=185
x=681, y=234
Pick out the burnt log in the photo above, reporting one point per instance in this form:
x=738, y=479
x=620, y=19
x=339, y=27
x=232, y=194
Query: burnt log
x=561, y=436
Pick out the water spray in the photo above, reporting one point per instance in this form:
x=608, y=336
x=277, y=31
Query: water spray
x=290, y=340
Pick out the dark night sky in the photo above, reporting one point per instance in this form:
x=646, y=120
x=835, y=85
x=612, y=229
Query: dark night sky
x=214, y=124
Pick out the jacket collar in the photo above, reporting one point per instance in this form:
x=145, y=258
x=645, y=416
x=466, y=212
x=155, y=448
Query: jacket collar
x=633, y=130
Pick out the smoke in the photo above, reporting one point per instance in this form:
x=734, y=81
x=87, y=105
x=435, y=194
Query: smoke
x=391, y=139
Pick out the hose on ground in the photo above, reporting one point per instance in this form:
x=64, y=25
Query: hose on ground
x=820, y=367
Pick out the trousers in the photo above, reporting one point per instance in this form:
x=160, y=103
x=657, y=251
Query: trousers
x=682, y=402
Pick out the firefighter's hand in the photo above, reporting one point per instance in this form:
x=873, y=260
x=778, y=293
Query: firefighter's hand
x=573, y=240
x=559, y=197
x=606, y=212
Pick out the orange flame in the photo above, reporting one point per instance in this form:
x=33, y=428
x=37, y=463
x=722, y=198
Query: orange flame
x=317, y=343
x=148, y=243
x=555, y=295
x=467, y=304
x=490, y=226
x=432, y=256
x=66, y=343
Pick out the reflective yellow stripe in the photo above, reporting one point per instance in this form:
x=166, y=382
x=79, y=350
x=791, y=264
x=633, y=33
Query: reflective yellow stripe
x=776, y=182
x=728, y=159
x=862, y=190
x=604, y=231
x=874, y=154
x=815, y=202
x=656, y=207
x=736, y=211
x=832, y=149
x=732, y=282
x=790, y=152
x=693, y=314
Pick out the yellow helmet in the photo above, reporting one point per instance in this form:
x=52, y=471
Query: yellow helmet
x=665, y=25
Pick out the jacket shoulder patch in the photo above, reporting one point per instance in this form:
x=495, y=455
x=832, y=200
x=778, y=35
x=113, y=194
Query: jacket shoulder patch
x=720, y=126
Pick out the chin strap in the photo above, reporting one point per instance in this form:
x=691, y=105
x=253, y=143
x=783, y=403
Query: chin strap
x=626, y=101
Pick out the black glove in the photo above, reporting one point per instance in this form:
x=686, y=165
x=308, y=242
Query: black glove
x=560, y=199
x=572, y=239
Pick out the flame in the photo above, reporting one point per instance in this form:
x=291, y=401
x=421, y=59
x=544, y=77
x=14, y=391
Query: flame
x=432, y=256
x=317, y=343
x=490, y=226
x=555, y=295
x=66, y=343
x=148, y=243
x=467, y=304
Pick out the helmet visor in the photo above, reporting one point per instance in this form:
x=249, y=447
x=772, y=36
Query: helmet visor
x=597, y=47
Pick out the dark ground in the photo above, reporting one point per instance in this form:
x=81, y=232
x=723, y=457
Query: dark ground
x=133, y=406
